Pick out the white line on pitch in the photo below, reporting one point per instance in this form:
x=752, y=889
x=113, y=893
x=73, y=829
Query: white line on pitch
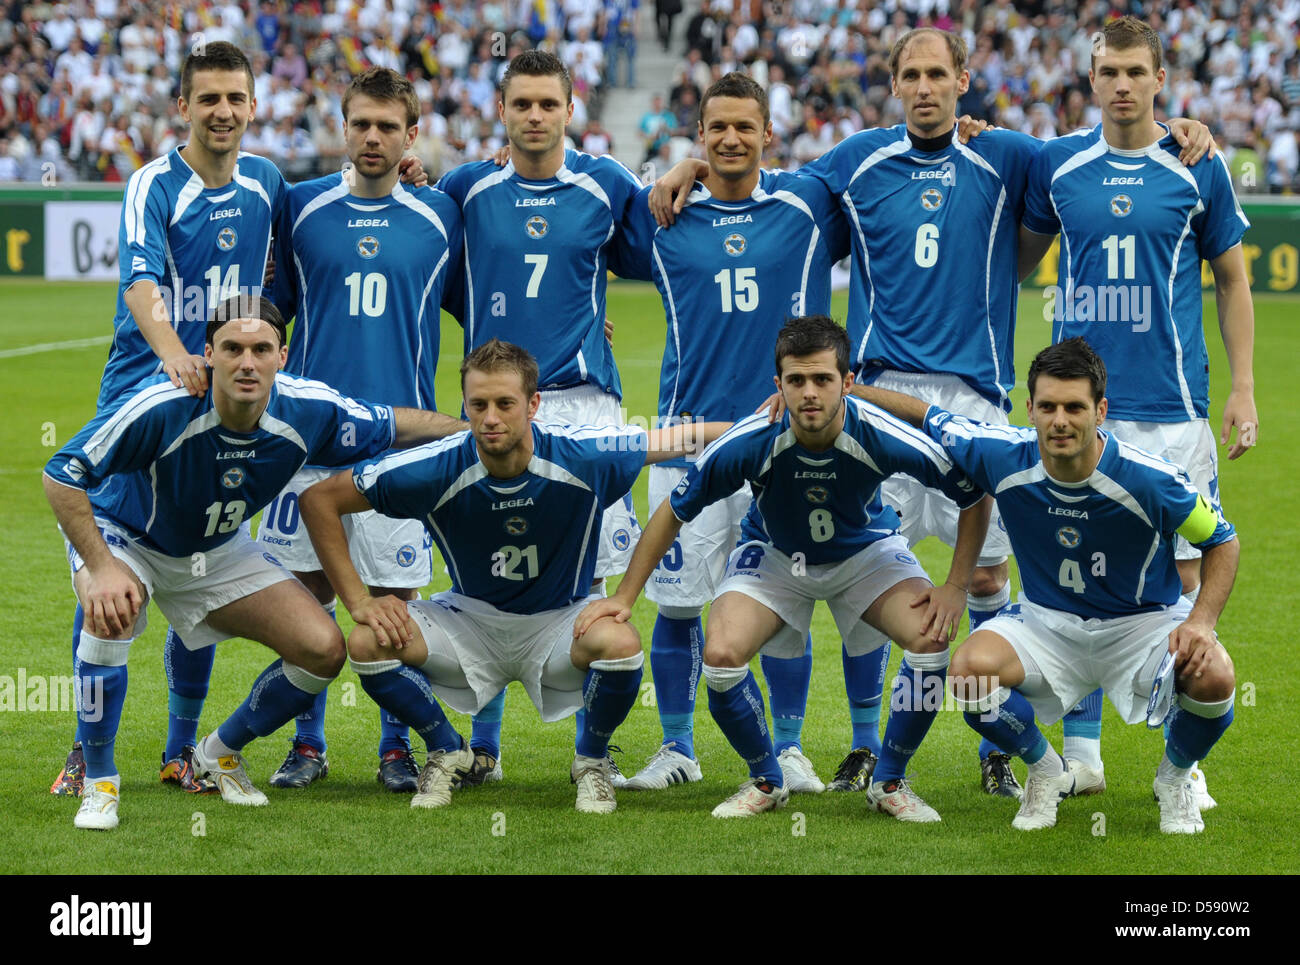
x=10, y=353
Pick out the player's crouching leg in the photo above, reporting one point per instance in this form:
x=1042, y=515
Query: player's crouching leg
x=612, y=657
x=1204, y=712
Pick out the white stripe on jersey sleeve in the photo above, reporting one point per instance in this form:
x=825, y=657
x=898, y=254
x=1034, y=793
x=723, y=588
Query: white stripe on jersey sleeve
x=1235, y=203
x=779, y=445
x=978, y=161
x=672, y=323
x=466, y=479
x=792, y=199
x=1026, y=477
x=135, y=407
x=419, y=207
x=586, y=540
x=846, y=198
x=339, y=190
x=209, y=420
x=890, y=425
x=280, y=428
x=1146, y=565
x=1118, y=494
x=299, y=388
x=587, y=183
x=137, y=193
x=193, y=188
x=588, y=431
x=1134, y=454
x=396, y=460
x=754, y=423
x=485, y=182
x=557, y=473
x=1078, y=160
x=254, y=185
x=846, y=444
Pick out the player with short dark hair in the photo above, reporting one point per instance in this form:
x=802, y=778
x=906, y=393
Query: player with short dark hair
x=817, y=531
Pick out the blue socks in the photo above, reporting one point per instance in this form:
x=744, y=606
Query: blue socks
x=101, y=690
x=405, y=692
x=1083, y=730
x=310, y=724
x=485, y=726
x=787, y=685
x=188, y=672
x=280, y=693
x=736, y=703
x=607, y=697
x=676, y=655
x=864, y=683
x=78, y=621
x=916, y=699
x=1006, y=718
x=1194, y=729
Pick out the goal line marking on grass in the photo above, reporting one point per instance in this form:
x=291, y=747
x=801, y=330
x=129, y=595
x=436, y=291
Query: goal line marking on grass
x=10, y=353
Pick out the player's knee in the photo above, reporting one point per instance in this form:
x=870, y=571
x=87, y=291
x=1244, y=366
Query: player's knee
x=969, y=665
x=363, y=644
x=722, y=652
x=989, y=580
x=325, y=652
x=1218, y=680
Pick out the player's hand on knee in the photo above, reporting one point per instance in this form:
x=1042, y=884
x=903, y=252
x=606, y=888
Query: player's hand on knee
x=189, y=372
x=968, y=127
x=412, y=171
x=774, y=406
x=112, y=600
x=1195, y=138
x=388, y=617
x=1194, y=647
x=943, y=609
x=598, y=610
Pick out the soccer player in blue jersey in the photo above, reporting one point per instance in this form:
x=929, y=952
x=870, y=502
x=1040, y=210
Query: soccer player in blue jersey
x=539, y=236
x=749, y=250
x=1093, y=521
x=1135, y=225
x=514, y=506
x=151, y=496
x=819, y=532
x=363, y=263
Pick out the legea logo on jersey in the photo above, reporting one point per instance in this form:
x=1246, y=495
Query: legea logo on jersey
x=232, y=478
x=368, y=246
x=1068, y=537
x=931, y=199
x=226, y=238
x=734, y=244
x=516, y=526
x=536, y=226
x=1121, y=205
x=816, y=494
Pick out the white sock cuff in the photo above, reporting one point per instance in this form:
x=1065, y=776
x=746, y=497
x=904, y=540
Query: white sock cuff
x=927, y=661
x=106, y=653
x=1209, y=710
x=366, y=668
x=984, y=705
x=331, y=608
x=991, y=603
x=1192, y=594
x=303, y=679
x=634, y=662
x=723, y=679
x=680, y=612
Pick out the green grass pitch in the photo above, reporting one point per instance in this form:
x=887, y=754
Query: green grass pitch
x=527, y=824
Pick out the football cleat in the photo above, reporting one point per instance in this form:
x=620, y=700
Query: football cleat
x=1087, y=780
x=180, y=772
x=1203, y=799
x=230, y=777
x=73, y=776
x=616, y=777
x=98, y=811
x=898, y=800
x=303, y=765
x=485, y=770
x=1041, y=799
x=854, y=772
x=754, y=797
x=1179, y=813
x=441, y=772
x=997, y=778
x=398, y=771
x=595, y=790
x=798, y=773
x=664, y=768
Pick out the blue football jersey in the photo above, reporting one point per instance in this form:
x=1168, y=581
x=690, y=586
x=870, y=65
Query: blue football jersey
x=534, y=263
x=1098, y=548
x=731, y=274
x=199, y=245
x=365, y=278
x=524, y=545
x=163, y=467
x=1130, y=270
x=825, y=505
x=935, y=241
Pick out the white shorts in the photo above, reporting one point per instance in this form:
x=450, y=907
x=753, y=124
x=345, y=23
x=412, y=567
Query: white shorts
x=476, y=649
x=926, y=512
x=187, y=589
x=1067, y=657
x=1187, y=444
x=586, y=405
x=764, y=573
x=689, y=574
x=392, y=553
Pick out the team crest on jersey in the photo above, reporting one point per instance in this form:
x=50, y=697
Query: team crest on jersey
x=226, y=238
x=405, y=555
x=1068, y=537
x=931, y=199
x=734, y=244
x=516, y=526
x=536, y=226
x=232, y=478
x=907, y=558
x=621, y=539
x=368, y=246
x=1121, y=205
x=816, y=494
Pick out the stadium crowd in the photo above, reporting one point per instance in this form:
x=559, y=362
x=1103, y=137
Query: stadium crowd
x=88, y=88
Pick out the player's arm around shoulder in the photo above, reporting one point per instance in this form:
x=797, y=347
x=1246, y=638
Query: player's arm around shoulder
x=415, y=427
